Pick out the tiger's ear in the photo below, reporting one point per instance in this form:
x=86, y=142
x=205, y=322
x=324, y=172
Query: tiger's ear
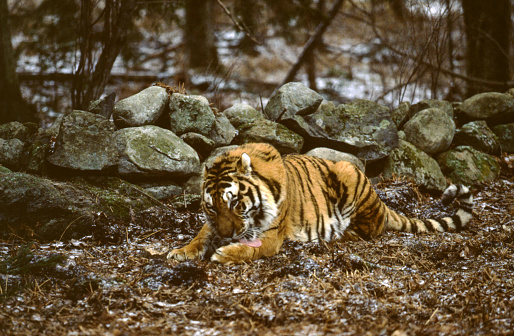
x=244, y=165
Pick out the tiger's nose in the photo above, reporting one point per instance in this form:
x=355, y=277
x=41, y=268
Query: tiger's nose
x=225, y=230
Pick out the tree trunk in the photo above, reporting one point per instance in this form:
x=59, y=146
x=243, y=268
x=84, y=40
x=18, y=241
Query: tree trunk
x=199, y=35
x=488, y=27
x=248, y=11
x=90, y=78
x=12, y=105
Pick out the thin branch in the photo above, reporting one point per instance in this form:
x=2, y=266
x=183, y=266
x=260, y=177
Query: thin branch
x=320, y=30
x=240, y=26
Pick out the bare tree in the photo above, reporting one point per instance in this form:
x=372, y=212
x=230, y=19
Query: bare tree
x=488, y=56
x=92, y=73
x=12, y=105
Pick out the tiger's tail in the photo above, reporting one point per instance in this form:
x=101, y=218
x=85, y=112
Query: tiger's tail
x=455, y=222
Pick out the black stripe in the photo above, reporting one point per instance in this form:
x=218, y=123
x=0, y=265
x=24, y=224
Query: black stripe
x=443, y=224
x=272, y=185
x=467, y=207
x=465, y=195
x=404, y=223
x=322, y=233
x=413, y=226
x=457, y=222
x=429, y=225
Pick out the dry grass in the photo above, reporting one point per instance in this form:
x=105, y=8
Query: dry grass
x=400, y=284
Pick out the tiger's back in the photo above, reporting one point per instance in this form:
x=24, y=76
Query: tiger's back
x=254, y=199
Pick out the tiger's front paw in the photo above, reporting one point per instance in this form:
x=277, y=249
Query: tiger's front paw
x=236, y=253
x=188, y=252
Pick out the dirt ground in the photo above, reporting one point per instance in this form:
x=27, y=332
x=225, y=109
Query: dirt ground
x=112, y=283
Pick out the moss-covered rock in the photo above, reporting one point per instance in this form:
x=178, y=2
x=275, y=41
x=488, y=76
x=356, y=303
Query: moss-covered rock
x=242, y=115
x=85, y=142
x=494, y=107
x=151, y=151
x=143, y=108
x=407, y=160
x=468, y=166
x=263, y=130
x=431, y=130
x=292, y=99
x=38, y=208
x=479, y=136
x=505, y=134
x=17, y=130
x=362, y=128
x=190, y=114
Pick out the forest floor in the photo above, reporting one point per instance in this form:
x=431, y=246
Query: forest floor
x=117, y=282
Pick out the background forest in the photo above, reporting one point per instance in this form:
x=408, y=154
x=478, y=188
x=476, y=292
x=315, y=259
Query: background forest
x=60, y=55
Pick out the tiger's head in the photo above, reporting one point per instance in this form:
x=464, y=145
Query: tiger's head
x=242, y=191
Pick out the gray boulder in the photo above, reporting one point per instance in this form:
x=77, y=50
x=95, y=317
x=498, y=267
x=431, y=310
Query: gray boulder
x=362, y=128
x=151, y=151
x=333, y=155
x=468, y=166
x=401, y=114
x=432, y=103
x=162, y=190
x=477, y=135
x=407, y=160
x=11, y=152
x=190, y=114
x=34, y=207
x=430, y=130
x=505, y=134
x=493, y=107
x=200, y=143
x=103, y=106
x=85, y=142
x=143, y=108
x=242, y=115
x=263, y=130
x=290, y=100
x=17, y=130
x=222, y=132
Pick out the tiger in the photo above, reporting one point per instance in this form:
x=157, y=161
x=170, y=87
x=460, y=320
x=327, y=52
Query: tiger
x=254, y=199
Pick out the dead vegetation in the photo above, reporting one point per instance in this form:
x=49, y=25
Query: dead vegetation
x=400, y=284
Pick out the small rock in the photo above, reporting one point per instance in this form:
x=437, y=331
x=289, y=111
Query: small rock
x=263, y=130
x=201, y=144
x=292, y=99
x=143, y=108
x=477, y=135
x=493, y=107
x=85, y=142
x=505, y=134
x=151, y=151
x=401, y=114
x=10, y=153
x=241, y=115
x=407, y=160
x=468, y=166
x=190, y=114
x=333, y=155
x=430, y=130
x=222, y=132
x=103, y=106
x=432, y=103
